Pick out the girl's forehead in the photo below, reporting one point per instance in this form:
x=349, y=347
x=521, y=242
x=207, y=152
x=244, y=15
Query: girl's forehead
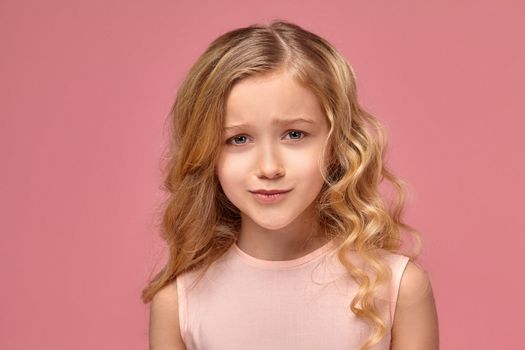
x=275, y=96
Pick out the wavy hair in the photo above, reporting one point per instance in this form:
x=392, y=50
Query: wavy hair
x=199, y=223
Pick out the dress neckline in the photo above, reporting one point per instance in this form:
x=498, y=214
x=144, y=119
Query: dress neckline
x=284, y=264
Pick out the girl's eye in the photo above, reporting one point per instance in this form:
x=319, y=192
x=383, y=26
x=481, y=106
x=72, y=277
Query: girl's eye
x=295, y=132
x=242, y=139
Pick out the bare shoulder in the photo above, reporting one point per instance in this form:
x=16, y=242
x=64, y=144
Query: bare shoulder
x=415, y=324
x=164, y=328
x=414, y=284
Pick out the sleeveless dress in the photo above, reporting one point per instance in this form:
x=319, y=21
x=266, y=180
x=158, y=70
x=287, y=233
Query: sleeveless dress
x=243, y=302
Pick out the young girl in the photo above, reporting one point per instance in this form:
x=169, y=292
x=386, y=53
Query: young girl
x=278, y=235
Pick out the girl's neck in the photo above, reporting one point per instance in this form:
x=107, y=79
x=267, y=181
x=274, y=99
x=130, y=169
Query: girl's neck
x=291, y=242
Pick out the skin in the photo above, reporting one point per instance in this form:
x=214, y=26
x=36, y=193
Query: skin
x=264, y=155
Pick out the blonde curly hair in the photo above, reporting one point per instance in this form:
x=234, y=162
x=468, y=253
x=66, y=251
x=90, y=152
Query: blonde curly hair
x=197, y=220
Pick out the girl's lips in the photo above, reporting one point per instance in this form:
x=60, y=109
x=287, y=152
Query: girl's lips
x=270, y=191
x=269, y=198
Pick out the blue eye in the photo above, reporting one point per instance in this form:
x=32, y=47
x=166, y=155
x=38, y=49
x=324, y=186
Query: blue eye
x=229, y=141
x=240, y=140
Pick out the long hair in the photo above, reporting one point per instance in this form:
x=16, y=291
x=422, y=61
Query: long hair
x=199, y=223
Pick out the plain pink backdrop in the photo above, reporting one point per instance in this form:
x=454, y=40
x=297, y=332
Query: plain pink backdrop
x=85, y=87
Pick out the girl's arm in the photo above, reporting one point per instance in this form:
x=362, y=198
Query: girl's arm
x=164, y=331
x=415, y=325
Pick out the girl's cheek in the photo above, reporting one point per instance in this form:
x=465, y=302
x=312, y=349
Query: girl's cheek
x=230, y=167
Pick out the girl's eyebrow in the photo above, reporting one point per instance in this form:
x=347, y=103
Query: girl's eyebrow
x=278, y=122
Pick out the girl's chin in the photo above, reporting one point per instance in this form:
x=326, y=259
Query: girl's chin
x=273, y=224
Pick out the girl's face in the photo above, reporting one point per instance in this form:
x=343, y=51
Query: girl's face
x=272, y=140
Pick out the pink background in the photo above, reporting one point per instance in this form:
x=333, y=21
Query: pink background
x=85, y=89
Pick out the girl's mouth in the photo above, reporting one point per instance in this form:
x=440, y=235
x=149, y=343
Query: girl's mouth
x=269, y=197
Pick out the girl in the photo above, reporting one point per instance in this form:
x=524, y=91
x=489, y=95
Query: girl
x=278, y=235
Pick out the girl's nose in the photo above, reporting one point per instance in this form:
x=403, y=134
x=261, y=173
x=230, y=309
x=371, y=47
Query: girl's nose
x=269, y=163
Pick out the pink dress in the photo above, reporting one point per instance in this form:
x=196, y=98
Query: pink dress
x=244, y=302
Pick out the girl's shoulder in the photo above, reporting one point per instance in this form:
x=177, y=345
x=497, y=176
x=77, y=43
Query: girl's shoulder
x=395, y=261
x=403, y=269
x=164, y=327
x=410, y=274
x=410, y=281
